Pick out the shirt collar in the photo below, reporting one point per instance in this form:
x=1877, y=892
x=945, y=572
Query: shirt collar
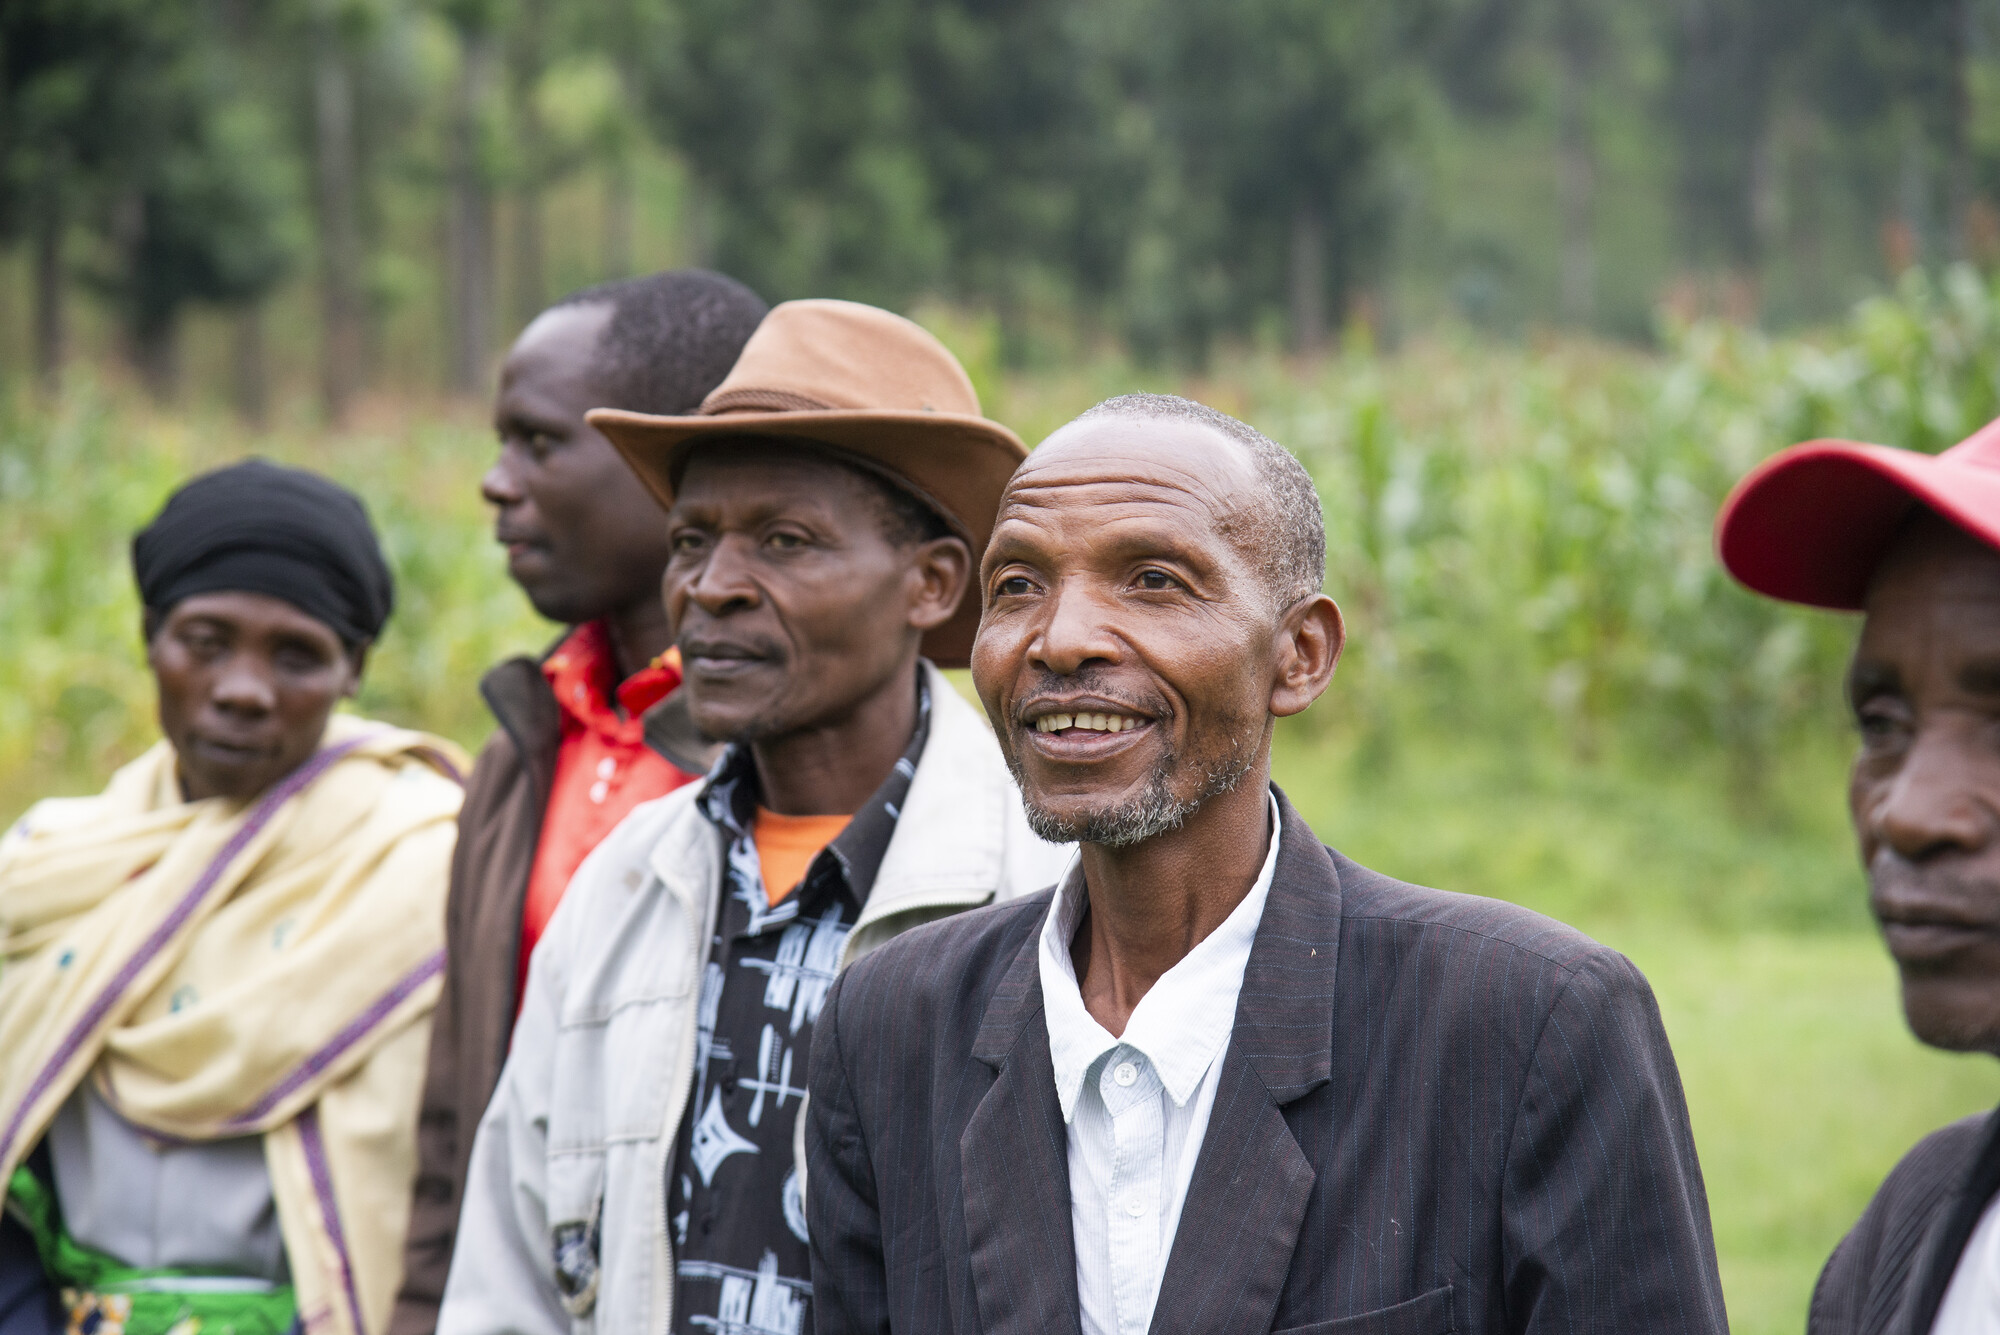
x=583, y=672
x=1181, y=1024
x=731, y=792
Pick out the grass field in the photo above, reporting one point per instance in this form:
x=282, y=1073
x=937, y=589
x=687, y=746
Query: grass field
x=1552, y=697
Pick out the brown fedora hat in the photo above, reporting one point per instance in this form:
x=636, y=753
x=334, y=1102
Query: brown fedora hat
x=865, y=384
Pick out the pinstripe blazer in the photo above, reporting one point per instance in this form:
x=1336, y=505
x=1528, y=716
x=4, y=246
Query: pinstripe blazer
x=1889, y=1274
x=1436, y=1113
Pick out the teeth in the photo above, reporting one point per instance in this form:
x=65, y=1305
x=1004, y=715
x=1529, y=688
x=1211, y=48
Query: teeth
x=1085, y=722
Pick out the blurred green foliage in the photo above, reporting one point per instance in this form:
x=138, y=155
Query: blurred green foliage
x=1521, y=539
x=405, y=182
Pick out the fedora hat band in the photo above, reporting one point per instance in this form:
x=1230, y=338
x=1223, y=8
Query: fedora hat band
x=752, y=400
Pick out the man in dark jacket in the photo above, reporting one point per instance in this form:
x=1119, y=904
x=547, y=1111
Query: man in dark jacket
x=1913, y=542
x=1221, y=1078
x=593, y=729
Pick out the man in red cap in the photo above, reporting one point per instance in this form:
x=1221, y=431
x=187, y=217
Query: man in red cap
x=1913, y=542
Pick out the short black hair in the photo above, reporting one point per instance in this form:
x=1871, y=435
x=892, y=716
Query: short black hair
x=1287, y=528
x=672, y=337
x=906, y=521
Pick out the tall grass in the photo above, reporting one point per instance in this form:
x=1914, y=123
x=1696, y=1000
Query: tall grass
x=1520, y=536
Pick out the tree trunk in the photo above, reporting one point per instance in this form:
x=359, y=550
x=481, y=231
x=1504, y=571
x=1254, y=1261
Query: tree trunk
x=156, y=354
x=249, y=383
x=1308, y=281
x=471, y=221
x=50, y=322
x=530, y=278
x=1576, y=169
x=1958, y=127
x=335, y=175
x=530, y=281
x=618, y=208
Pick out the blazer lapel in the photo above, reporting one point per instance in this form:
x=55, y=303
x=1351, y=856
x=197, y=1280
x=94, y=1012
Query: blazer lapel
x=1014, y=1158
x=1247, y=1200
x=1937, y=1261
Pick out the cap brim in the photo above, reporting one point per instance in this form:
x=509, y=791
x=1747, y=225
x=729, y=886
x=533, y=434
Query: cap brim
x=1811, y=523
x=956, y=463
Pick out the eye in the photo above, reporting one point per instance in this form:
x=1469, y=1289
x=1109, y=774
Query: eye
x=298, y=660
x=784, y=542
x=1014, y=586
x=688, y=540
x=539, y=443
x=202, y=643
x=1884, y=724
x=1156, y=581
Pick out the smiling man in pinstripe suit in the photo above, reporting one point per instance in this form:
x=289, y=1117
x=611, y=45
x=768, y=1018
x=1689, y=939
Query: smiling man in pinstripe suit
x=1222, y=1079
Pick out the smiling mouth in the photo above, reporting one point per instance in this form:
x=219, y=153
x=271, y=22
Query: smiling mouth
x=1087, y=722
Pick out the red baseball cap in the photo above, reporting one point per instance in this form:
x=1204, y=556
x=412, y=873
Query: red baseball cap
x=1810, y=524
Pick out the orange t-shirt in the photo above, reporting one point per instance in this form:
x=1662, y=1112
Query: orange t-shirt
x=603, y=766
x=786, y=846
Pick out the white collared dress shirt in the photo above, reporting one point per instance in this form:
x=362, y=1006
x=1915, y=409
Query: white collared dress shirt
x=1971, y=1304
x=1137, y=1105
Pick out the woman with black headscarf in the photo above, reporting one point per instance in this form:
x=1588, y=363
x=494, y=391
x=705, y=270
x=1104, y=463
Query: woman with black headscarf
x=216, y=976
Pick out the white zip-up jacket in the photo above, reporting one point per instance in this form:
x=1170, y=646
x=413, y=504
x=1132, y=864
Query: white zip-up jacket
x=564, y=1230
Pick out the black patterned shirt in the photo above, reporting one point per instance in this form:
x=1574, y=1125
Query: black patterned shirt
x=733, y=1194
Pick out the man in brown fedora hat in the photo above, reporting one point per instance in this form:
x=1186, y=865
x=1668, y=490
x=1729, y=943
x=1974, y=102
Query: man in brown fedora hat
x=640, y=1168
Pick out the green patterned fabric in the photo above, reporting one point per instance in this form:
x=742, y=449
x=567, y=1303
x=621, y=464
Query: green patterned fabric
x=103, y=1296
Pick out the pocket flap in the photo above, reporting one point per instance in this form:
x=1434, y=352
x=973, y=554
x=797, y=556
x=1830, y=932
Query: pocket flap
x=1426, y=1315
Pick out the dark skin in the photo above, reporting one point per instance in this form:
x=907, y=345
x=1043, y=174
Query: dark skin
x=246, y=684
x=800, y=619
x=1120, y=582
x=584, y=538
x=1925, y=792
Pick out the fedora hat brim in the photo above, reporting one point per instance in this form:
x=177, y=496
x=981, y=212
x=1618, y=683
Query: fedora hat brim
x=956, y=463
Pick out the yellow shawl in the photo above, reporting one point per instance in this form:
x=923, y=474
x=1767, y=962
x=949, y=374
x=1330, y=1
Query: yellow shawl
x=220, y=969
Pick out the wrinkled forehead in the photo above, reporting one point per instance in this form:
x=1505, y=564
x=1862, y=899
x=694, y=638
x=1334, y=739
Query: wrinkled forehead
x=1179, y=474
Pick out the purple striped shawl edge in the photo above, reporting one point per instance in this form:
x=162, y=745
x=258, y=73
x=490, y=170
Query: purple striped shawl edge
x=105, y=1000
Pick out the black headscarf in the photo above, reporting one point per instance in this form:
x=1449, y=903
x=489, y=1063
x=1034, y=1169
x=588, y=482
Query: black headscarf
x=254, y=527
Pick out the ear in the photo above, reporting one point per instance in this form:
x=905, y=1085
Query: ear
x=1310, y=637
x=939, y=571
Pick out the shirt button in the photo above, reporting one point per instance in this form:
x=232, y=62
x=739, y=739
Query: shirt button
x=599, y=791
x=606, y=768
x=1134, y=1208
x=1125, y=1073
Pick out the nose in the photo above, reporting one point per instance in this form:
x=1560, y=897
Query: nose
x=243, y=687
x=1934, y=804
x=723, y=584
x=1073, y=633
x=499, y=486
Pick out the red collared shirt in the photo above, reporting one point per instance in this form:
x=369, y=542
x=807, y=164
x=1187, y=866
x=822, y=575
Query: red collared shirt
x=603, y=765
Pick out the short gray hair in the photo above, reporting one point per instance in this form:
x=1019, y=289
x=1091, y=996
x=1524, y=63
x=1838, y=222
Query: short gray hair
x=1283, y=525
